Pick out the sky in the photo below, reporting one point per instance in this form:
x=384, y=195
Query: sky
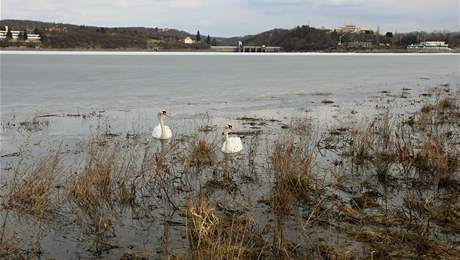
x=242, y=17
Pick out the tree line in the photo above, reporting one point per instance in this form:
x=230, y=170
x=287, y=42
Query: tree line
x=300, y=38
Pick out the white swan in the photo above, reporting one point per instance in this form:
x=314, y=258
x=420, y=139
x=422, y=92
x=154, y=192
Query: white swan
x=162, y=131
x=231, y=144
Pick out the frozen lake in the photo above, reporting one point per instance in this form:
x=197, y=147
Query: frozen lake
x=188, y=83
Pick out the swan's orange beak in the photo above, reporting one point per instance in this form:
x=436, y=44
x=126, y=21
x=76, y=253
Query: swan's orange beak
x=167, y=114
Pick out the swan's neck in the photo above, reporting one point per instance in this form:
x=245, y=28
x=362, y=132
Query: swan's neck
x=162, y=124
x=226, y=136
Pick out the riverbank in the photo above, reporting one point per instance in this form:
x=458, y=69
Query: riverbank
x=134, y=50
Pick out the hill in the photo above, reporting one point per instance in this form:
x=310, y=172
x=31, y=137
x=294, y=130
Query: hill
x=59, y=35
x=300, y=38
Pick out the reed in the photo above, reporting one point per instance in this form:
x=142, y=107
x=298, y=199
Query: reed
x=401, y=202
x=34, y=192
x=212, y=236
x=91, y=190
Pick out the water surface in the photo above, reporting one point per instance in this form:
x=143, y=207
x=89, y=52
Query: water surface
x=193, y=83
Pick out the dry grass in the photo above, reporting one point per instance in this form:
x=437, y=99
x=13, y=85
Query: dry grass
x=201, y=153
x=301, y=127
x=292, y=166
x=216, y=237
x=33, y=192
x=393, y=244
x=413, y=213
x=432, y=159
x=10, y=248
x=446, y=103
x=282, y=200
x=296, y=184
x=91, y=190
x=361, y=145
x=445, y=214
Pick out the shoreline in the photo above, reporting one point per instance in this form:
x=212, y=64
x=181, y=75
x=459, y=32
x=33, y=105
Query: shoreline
x=209, y=51
x=186, y=53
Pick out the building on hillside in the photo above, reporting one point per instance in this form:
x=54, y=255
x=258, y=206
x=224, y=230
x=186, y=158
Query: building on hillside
x=31, y=37
x=349, y=28
x=358, y=44
x=188, y=40
x=57, y=29
x=3, y=35
x=429, y=45
x=14, y=34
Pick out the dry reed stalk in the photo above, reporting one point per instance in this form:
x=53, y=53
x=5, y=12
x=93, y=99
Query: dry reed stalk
x=201, y=153
x=33, y=192
x=292, y=166
x=10, y=248
x=437, y=158
x=92, y=189
x=301, y=126
x=214, y=237
x=361, y=145
x=391, y=244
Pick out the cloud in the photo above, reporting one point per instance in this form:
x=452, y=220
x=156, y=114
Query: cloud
x=239, y=17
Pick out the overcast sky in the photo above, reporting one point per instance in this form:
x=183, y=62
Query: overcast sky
x=241, y=17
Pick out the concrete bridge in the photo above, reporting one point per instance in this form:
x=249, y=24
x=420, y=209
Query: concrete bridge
x=262, y=48
x=244, y=48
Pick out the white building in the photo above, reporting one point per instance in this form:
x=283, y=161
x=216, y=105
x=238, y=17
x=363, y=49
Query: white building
x=15, y=35
x=188, y=40
x=435, y=44
x=429, y=45
x=3, y=33
x=33, y=37
x=349, y=28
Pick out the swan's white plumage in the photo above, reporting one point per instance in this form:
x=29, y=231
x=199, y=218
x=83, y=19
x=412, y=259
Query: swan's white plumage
x=232, y=145
x=157, y=133
x=162, y=131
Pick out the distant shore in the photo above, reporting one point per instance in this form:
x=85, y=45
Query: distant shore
x=394, y=50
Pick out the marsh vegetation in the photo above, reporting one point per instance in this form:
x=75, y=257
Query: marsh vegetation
x=388, y=189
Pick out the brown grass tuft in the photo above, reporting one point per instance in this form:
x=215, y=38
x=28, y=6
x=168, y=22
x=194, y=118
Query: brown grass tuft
x=91, y=190
x=292, y=166
x=213, y=237
x=32, y=193
x=201, y=153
